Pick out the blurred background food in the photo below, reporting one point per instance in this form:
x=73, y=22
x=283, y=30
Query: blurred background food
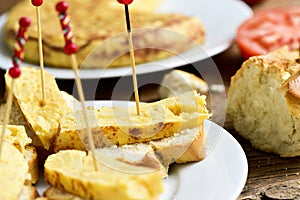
x=102, y=41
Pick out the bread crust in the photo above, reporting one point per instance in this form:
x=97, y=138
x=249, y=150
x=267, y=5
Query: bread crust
x=55, y=194
x=196, y=151
x=28, y=193
x=32, y=159
x=185, y=146
x=262, y=105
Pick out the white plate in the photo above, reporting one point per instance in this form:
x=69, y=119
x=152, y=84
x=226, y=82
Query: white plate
x=221, y=175
x=220, y=18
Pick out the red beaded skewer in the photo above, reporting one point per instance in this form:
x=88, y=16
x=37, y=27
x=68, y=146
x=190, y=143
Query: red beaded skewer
x=15, y=70
x=131, y=50
x=71, y=49
x=37, y=4
x=21, y=39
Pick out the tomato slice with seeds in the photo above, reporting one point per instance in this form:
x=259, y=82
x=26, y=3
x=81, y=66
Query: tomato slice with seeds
x=267, y=30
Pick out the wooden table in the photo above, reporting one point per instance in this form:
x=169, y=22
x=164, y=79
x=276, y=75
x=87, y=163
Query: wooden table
x=270, y=177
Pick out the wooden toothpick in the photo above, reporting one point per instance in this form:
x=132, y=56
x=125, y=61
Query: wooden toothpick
x=71, y=49
x=15, y=71
x=131, y=50
x=37, y=4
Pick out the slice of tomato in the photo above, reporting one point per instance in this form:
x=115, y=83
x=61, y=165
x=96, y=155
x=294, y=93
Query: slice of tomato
x=268, y=30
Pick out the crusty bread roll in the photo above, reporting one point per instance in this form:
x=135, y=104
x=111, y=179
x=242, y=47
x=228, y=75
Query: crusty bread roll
x=177, y=82
x=264, y=104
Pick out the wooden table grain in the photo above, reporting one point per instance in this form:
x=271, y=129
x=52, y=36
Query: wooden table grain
x=270, y=176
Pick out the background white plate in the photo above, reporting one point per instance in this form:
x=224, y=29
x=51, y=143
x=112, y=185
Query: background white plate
x=220, y=18
x=221, y=175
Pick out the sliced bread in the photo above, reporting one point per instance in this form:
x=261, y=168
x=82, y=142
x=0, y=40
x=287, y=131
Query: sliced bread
x=186, y=146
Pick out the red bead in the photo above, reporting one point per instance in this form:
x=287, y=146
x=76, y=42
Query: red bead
x=126, y=2
x=37, y=2
x=62, y=6
x=14, y=72
x=25, y=22
x=71, y=48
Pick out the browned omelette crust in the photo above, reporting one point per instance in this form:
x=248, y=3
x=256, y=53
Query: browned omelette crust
x=93, y=22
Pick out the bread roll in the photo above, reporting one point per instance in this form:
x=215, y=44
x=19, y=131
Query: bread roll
x=264, y=104
x=178, y=82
